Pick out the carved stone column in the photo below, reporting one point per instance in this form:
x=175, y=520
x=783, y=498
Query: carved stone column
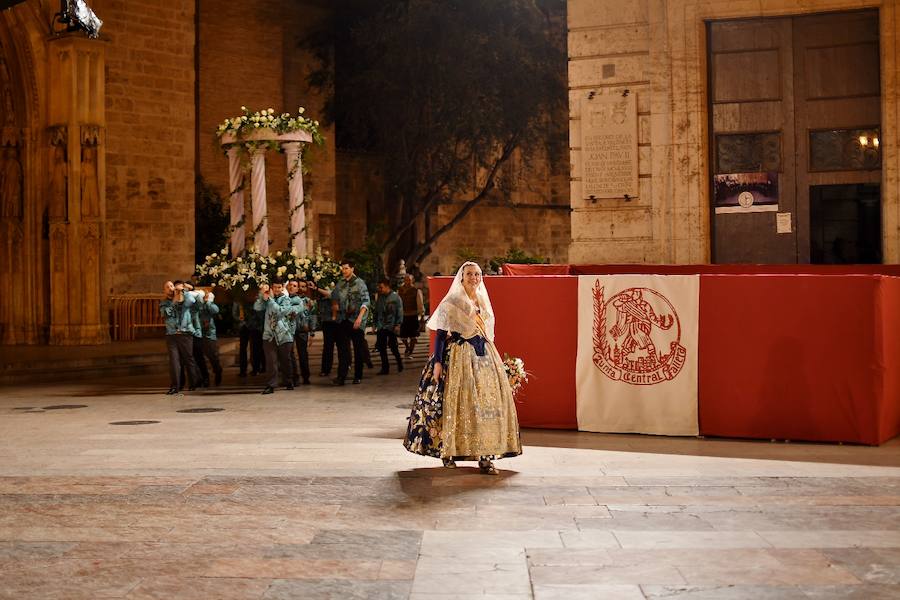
x=297, y=210
x=260, y=211
x=77, y=201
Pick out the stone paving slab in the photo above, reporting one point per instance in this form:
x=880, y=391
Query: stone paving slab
x=309, y=494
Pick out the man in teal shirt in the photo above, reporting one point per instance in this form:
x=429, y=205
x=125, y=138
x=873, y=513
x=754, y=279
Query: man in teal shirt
x=175, y=310
x=302, y=329
x=209, y=342
x=352, y=298
x=278, y=332
x=388, y=317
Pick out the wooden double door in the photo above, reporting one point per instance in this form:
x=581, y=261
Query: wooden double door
x=795, y=139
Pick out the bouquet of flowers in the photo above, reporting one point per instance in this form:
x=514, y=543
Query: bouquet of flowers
x=515, y=371
x=250, y=269
x=266, y=118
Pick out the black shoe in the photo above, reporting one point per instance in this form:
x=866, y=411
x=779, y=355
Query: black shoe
x=399, y=367
x=289, y=386
x=383, y=373
x=369, y=364
x=172, y=392
x=355, y=381
x=218, y=379
x=306, y=382
x=204, y=383
x=192, y=388
x=337, y=381
x=269, y=390
x=254, y=373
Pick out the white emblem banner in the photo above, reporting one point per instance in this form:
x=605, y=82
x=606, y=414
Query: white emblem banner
x=636, y=369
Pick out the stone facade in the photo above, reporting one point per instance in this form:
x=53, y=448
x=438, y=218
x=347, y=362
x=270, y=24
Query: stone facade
x=250, y=55
x=103, y=141
x=150, y=164
x=657, y=49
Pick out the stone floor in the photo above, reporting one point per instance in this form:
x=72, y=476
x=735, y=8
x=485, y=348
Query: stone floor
x=309, y=494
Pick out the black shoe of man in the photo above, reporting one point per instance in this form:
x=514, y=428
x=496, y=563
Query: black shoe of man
x=306, y=382
x=171, y=392
x=399, y=367
x=269, y=390
x=289, y=386
x=356, y=381
x=337, y=381
x=218, y=378
x=382, y=373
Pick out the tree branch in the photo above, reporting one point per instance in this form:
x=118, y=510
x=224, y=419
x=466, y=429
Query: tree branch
x=425, y=247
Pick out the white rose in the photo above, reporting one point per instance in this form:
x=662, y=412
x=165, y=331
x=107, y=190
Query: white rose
x=246, y=286
x=301, y=110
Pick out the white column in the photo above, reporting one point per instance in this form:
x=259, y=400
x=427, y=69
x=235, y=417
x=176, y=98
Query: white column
x=295, y=196
x=258, y=185
x=236, y=183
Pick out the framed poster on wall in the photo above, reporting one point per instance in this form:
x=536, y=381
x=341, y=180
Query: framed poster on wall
x=746, y=192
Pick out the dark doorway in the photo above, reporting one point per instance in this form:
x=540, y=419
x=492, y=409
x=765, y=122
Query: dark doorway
x=845, y=224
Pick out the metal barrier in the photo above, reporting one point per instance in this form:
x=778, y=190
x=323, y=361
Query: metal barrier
x=133, y=312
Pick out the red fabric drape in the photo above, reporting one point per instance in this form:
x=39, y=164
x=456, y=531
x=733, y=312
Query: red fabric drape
x=786, y=351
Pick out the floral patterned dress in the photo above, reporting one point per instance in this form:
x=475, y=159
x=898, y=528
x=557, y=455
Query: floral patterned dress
x=470, y=411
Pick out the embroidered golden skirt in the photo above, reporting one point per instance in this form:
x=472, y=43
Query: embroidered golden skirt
x=469, y=413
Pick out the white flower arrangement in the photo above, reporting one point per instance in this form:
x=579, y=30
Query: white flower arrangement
x=251, y=269
x=266, y=118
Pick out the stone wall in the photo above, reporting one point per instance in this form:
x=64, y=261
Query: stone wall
x=360, y=198
x=250, y=56
x=492, y=229
x=528, y=210
x=657, y=49
x=150, y=142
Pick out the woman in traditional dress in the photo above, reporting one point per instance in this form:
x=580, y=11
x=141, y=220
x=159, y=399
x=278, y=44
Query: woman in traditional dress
x=464, y=408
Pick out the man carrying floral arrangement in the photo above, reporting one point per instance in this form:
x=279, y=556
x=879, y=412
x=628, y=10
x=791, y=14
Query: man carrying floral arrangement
x=352, y=298
x=210, y=343
x=278, y=332
x=302, y=327
x=175, y=309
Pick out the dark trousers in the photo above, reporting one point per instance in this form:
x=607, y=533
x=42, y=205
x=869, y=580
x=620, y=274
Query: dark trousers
x=198, y=359
x=329, y=335
x=181, y=352
x=301, y=340
x=244, y=333
x=211, y=353
x=346, y=337
x=278, y=357
x=386, y=338
x=253, y=339
x=257, y=352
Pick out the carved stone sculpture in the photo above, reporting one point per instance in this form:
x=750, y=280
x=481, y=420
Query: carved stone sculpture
x=59, y=185
x=90, y=195
x=11, y=177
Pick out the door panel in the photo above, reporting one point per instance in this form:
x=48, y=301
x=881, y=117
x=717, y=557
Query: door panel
x=795, y=76
x=752, y=81
x=837, y=87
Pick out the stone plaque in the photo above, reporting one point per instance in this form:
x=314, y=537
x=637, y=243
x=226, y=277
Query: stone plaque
x=609, y=146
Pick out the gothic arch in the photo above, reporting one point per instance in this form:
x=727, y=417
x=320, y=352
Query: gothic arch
x=23, y=257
